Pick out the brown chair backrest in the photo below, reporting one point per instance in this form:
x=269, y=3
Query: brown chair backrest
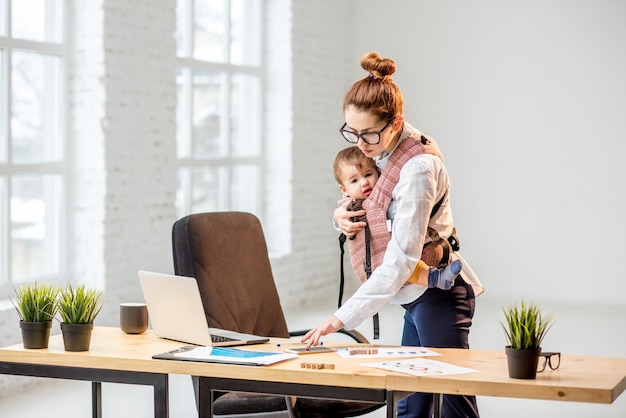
x=227, y=254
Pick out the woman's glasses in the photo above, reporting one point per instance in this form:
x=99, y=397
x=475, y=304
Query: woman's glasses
x=549, y=358
x=370, y=138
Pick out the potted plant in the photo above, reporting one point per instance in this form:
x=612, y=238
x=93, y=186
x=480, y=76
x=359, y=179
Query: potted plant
x=525, y=327
x=36, y=307
x=78, y=307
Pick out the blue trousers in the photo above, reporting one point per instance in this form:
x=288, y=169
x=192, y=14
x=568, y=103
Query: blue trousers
x=439, y=319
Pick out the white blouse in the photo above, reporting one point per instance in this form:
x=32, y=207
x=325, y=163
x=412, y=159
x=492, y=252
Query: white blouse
x=423, y=182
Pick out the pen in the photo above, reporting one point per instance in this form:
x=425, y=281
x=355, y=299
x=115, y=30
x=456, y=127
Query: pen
x=286, y=344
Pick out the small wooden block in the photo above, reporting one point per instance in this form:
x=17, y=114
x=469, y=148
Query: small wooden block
x=313, y=365
x=362, y=350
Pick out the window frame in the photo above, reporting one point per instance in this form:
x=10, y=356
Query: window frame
x=8, y=168
x=227, y=162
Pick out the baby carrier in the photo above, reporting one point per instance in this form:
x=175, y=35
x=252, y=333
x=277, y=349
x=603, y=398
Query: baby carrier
x=367, y=248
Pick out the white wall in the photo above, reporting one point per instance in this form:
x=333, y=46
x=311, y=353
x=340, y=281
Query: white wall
x=121, y=104
x=122, y=121
x=131, y=141
x=321, y=47
x=528, y=102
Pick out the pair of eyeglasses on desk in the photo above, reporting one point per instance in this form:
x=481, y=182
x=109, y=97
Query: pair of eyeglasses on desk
x=551, y=359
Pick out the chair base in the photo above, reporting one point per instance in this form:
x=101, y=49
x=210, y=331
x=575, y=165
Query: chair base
x=282, y=414
x=243, y=404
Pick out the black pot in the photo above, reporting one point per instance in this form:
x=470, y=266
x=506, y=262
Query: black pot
x=76, y=337
x=35, y=334
x=522, y=363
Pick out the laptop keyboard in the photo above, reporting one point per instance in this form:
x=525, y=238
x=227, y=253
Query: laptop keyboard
x=221, y=338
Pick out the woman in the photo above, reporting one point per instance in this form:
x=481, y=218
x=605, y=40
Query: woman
x=419, y=212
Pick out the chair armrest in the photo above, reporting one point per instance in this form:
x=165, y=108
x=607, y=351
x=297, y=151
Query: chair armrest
x=354, y=334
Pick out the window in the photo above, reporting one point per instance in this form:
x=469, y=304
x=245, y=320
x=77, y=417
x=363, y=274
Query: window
x=219, y=132
x=32, y=141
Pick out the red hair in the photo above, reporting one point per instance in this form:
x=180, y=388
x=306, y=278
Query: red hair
x=376, y=93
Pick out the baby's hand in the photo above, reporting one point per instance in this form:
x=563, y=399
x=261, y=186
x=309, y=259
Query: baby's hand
x=343, y=219
x=356, y=206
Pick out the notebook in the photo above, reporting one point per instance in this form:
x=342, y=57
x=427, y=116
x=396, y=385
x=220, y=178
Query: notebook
x=176, y=312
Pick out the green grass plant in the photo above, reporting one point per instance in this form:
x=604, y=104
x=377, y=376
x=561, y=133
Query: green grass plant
x=36, y=302
x=79, y=304
x=525, y=327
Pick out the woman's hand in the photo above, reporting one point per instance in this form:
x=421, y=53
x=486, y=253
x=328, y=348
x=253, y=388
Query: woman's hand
x=313, y=337
x=342, y=217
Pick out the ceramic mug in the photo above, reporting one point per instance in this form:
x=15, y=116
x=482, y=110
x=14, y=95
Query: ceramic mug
x=133, y=317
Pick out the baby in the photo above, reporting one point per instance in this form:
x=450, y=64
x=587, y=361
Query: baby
x=356, y=175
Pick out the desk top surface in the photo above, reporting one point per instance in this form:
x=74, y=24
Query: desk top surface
x=579, y=378
x=112, y=349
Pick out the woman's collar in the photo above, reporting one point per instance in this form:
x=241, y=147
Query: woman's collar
x=407, y=131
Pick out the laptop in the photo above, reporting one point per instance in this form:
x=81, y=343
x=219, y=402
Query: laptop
x=176, y=312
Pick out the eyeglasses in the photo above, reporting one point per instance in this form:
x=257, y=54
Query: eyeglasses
x=370, y=138
x=550, y=358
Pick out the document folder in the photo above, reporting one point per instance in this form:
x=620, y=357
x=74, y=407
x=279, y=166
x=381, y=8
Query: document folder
x=226, y=355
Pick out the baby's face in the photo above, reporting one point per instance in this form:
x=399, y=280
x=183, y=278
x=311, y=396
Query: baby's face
x=357, y=183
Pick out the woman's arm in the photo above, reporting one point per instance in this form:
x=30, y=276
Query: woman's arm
x=423, y=181
x=343, y=219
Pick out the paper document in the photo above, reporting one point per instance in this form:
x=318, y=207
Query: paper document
x=228, y=355
x=421, y=367
x=349, y=352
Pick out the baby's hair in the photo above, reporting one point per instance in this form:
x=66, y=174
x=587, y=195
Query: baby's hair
x=352, y=156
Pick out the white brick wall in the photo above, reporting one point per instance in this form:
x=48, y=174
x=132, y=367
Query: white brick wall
x=87, y=187
x=122, y=98
x=129, y=112
x=139, y=128
x=121, y=101
x=321, y=52
x=278, y=109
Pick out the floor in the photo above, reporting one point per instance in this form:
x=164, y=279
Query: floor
x=578, y=330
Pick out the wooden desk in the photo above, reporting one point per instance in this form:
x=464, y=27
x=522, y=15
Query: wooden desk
x=578, y=379
x=120, y=358
x=113, y=357
x=116, y=357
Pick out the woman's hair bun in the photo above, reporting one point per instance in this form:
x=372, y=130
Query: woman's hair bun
x=377, y=67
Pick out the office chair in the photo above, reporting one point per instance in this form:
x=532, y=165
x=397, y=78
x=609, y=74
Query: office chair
x=227, y=254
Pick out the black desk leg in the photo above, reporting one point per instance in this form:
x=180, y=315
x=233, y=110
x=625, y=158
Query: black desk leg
x=437, y=402
x=392, y=401
x=96, y=399
x=204, y=399
x=161, y=397
x=159, y=381
x=394, y=397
